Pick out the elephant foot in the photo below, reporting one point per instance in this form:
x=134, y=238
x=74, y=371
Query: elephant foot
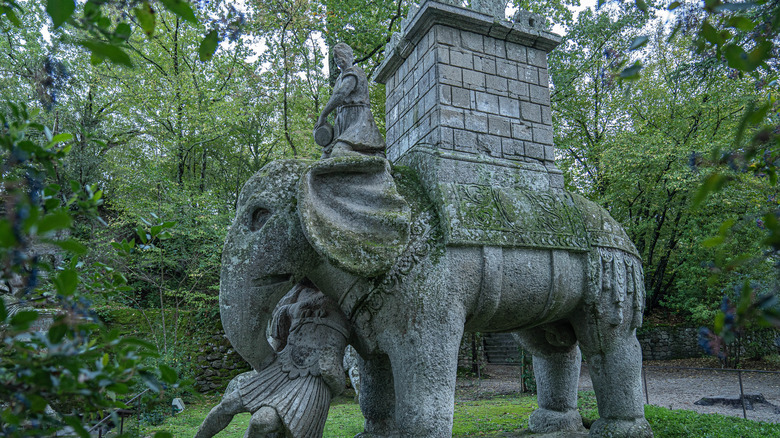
x=636, y=428
x=546, y=420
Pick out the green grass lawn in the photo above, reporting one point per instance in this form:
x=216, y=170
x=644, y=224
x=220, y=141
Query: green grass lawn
x=496, y=417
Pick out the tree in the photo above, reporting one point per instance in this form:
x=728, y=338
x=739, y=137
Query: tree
x=588, y=104
x=637, y=146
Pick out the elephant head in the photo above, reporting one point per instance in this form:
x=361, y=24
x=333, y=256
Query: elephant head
x=293, y=216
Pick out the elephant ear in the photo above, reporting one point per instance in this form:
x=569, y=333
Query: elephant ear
x=353, y=215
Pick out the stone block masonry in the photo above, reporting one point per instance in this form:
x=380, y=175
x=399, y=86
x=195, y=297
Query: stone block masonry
x=461, y=83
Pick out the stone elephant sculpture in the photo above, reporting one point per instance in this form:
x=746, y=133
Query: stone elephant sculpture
x=368, y=236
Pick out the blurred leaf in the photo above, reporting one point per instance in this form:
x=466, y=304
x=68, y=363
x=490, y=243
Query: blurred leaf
x=57, y=220
x=66, y=282
x=720, y=320
x=710, y=33
x=61, y=138
x=736, y=57
x=138, y=342
x=57, y=332
x=772, y=225
x=208, y=46
x=150, y=380
x=23, y=319
x=735, y=7
x=70, y=245
x=726, y=226
x=168, y=374
x=3, y=311
x=52, y=189
x=163, y=435
x=180, y=8
x=674, y=5
x=11, y=16
x=742, y=23
x=75, y=423
x=757, y=116
x=146, y=19
x=108, y=51
x=60, y=11
x=713, y=183
x=638, y=42
x=119, y=388
x=712, y=241
x=631, y=72
x=123, y=31
x=759, y=54
x=7, y=238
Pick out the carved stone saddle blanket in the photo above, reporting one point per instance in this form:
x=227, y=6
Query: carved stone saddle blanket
x=515, y=217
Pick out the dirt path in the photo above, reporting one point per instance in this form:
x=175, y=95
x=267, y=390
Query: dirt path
x=669, y=388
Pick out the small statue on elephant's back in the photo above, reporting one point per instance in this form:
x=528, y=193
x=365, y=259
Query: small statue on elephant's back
x=355, y=132
x=291, y=396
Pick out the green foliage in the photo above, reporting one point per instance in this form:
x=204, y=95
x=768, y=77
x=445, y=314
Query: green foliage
x=104, y=32
x=73, y=366
x=675, y=423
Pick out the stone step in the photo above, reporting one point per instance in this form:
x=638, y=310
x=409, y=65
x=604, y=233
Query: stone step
x=501, y=349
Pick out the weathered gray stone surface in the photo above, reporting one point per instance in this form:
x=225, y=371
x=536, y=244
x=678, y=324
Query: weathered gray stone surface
x=178, y=405
x=351, y=365
x=291, y=395
x=471, y=84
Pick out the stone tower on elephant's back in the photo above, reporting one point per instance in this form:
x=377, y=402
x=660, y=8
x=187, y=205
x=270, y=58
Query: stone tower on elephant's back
x=468, y=107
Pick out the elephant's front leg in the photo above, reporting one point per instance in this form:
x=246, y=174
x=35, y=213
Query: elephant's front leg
x=377, y=398
x=425, y=366
x=557, y=361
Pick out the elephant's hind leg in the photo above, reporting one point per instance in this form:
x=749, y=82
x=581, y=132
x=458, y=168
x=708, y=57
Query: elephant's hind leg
x=606, y=330
x=556, y=360
x=616, y=372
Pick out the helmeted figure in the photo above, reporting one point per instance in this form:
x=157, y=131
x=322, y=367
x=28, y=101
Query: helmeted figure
x=291, y=396
x=355, y=131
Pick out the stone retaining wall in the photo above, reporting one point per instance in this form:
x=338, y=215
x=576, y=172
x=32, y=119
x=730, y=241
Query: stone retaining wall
x=672, y=342
x=217, y=363
x=665, y=343
x=658, y=343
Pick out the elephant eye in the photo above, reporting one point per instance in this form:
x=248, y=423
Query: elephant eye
x=259, y=218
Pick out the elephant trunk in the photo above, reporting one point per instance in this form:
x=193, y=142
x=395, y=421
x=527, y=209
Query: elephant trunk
x=247, y=299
